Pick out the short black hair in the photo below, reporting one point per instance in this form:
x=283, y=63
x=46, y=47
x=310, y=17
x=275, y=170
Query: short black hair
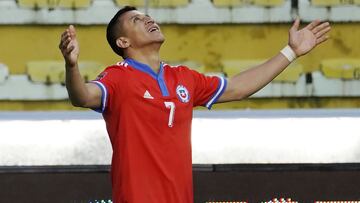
x=112, y=32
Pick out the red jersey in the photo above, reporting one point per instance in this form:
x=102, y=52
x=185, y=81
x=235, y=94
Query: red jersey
x=148, y=118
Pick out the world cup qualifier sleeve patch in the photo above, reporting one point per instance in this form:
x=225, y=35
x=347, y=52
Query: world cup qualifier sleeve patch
x=101, y=76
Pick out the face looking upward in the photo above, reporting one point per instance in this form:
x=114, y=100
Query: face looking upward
x=139, y=30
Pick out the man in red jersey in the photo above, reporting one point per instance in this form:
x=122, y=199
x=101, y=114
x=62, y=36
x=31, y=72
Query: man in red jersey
x=147, y=104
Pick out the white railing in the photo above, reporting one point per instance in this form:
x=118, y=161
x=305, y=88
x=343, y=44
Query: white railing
x=218, y=137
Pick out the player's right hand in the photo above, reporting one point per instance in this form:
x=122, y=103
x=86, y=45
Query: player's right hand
x=69, y=46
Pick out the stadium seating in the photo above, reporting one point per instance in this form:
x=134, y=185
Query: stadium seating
x=153, y=3
x=290, y=74
x=50, y=72
x=227, y=3
x=89, y=70
x=268, y=2
x=334, y=2
x=333, y=10
x=33, y=3
x=190, y=64
x=232, y=3
x=341, y=68
x=54, y=3
x=233, y=67
x=47, y=72
x=4, y=73
x=337, y=77
x=74, y=3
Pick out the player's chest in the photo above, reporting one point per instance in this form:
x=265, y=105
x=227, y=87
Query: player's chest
x=170, y=100
x=148, y=90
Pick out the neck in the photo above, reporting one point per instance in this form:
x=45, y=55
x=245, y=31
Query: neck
x=147, y=55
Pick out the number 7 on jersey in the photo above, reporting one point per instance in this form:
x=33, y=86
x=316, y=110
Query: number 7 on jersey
x=171, y=106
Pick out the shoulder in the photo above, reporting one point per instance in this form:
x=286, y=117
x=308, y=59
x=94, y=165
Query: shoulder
x=113, y=71
x=177, y=68
x=120, y=66
x=117, y=68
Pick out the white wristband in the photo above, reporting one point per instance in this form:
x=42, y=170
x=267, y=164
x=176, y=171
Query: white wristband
x=289, y=53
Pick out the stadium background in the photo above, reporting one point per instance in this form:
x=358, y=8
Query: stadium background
x=214, y=37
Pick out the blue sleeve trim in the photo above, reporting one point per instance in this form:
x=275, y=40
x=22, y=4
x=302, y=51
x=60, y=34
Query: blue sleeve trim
x=220, y=90
x=102, y=107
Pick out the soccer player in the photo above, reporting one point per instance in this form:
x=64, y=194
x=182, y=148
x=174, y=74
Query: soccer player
x=147, y=104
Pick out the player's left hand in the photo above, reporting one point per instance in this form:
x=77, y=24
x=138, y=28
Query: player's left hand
x=304, y=40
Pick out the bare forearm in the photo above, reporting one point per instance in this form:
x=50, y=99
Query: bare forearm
x=250, y=81
x=76, y=86
x=300, y=42
x=80, y=94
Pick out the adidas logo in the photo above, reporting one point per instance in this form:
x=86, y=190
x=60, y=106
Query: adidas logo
x=147, y=95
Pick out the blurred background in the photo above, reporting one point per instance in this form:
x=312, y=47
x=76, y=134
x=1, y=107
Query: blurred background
x=296, y=138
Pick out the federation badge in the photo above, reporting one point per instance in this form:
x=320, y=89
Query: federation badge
x=183, y=94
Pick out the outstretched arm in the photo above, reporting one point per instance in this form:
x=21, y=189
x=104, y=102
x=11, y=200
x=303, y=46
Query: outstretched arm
x=81, y=94
x=300, y=42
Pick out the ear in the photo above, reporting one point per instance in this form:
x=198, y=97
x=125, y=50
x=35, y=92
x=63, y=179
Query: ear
x=123, y=42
